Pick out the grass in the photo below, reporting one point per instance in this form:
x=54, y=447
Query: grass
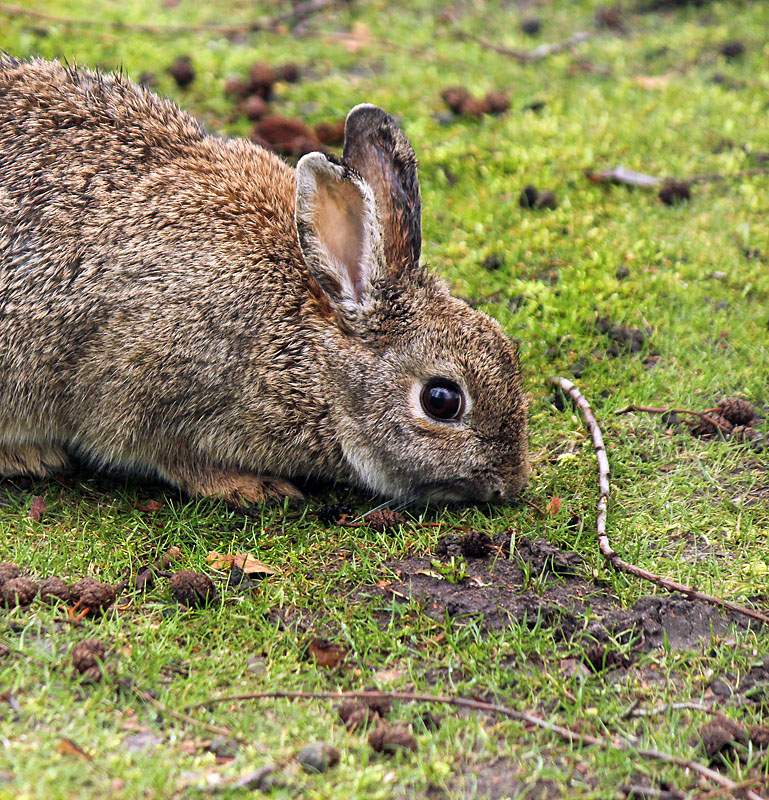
x=696, y=511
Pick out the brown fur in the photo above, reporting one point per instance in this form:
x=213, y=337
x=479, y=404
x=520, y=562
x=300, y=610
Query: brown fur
x=162, y=310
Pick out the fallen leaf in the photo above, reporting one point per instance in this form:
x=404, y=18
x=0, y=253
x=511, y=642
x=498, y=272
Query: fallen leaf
x=150, y=505
x=36, y=508
x=327, y=654
x=68, y=748
x=252, y=566
x=654, y=81
x=358, y=37
x=623, y=175
x=173, y=553
x=220, y=560
x=554, y=506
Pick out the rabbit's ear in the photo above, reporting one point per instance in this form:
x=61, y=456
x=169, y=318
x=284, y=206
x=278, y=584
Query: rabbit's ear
x=338, y=229
x=378, y=150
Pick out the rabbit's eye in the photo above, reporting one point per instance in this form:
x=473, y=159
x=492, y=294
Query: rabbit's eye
x=442, y=400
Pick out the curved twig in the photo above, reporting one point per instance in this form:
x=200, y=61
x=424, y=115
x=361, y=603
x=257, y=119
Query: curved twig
x=566, y=734
x=704, y=415
x=299, y=12
x=608, y=552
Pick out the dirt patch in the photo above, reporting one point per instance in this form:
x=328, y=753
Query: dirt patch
x=541, y=584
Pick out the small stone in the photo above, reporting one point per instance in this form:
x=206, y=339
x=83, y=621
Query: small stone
x=673, y=192
x=182, y=71
x=531, y=26
x=389, y=740
x=18, y=592
x=8, y=570
x=318, y=757
x=192, y=589
x=53, y=589
x=720, y=688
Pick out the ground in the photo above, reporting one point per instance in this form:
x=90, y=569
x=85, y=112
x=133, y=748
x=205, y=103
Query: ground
x=636, y=300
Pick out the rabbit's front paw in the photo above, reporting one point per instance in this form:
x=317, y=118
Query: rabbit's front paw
x=241, y=489
x=40, y=460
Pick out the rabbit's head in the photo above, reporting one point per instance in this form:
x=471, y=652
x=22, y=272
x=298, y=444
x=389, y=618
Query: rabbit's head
x=427, y=391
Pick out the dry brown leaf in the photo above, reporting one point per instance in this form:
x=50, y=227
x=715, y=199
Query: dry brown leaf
x=327, y=654
x=252, y=566
x=220, y=560
x=554, y=506
x=68, y=748
x=354, y=40
x=150, y=505
x=654, y=81
x=36, y=508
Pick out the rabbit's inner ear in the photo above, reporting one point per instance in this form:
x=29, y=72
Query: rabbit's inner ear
x=338, y=229
x=338, y=223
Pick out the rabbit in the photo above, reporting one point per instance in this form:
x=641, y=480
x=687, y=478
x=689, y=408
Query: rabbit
x=192, y=308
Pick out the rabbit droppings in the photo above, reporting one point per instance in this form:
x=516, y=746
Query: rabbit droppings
x=177, y=304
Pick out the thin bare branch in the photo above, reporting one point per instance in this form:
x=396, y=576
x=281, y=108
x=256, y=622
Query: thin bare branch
x=527, y=56
x=299, y=12
x=608, y=552
x=573, y=737
x=704, y=415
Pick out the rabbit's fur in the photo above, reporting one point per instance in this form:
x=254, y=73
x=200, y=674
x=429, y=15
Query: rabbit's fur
x=191, y=307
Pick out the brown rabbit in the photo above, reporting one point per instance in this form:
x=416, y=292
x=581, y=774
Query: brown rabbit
x=181, y=305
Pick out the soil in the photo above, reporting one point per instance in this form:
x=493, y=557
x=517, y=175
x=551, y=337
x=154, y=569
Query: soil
x=495, y=594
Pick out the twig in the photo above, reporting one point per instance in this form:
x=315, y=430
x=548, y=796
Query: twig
x=704, y=415
x=527, y=56
x=493, y=708
x=608, y=552
x=157, y=705
x=299, y=12
x=712, y=177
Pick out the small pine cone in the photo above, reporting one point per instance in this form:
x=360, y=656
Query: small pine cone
x=356, y=715
x=744, y=433
x=476, y=544
x=706, y=429
x=385, y=521
x=98, y=596
x=736, y=410
x=8, y=570
x=86, y=656
x=18, y=592
x=77, y=589
x=385, y=739
x=192, y=589
x=53, y=589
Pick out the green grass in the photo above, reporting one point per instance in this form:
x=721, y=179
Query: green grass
x=693, y=510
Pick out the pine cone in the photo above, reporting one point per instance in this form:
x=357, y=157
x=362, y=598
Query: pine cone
x=385, y=521
x=707, y=429
x=86, y=656
x=8, y=570
x=18, y=592
x=77, y=589
x=476, y=544
x=736, y=410
x=744, y=433
x=192, y=589
x=98, y=596
x=53, y=589
x=385, y=739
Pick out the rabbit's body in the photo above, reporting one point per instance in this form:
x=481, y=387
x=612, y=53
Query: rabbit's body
x=159, y=312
